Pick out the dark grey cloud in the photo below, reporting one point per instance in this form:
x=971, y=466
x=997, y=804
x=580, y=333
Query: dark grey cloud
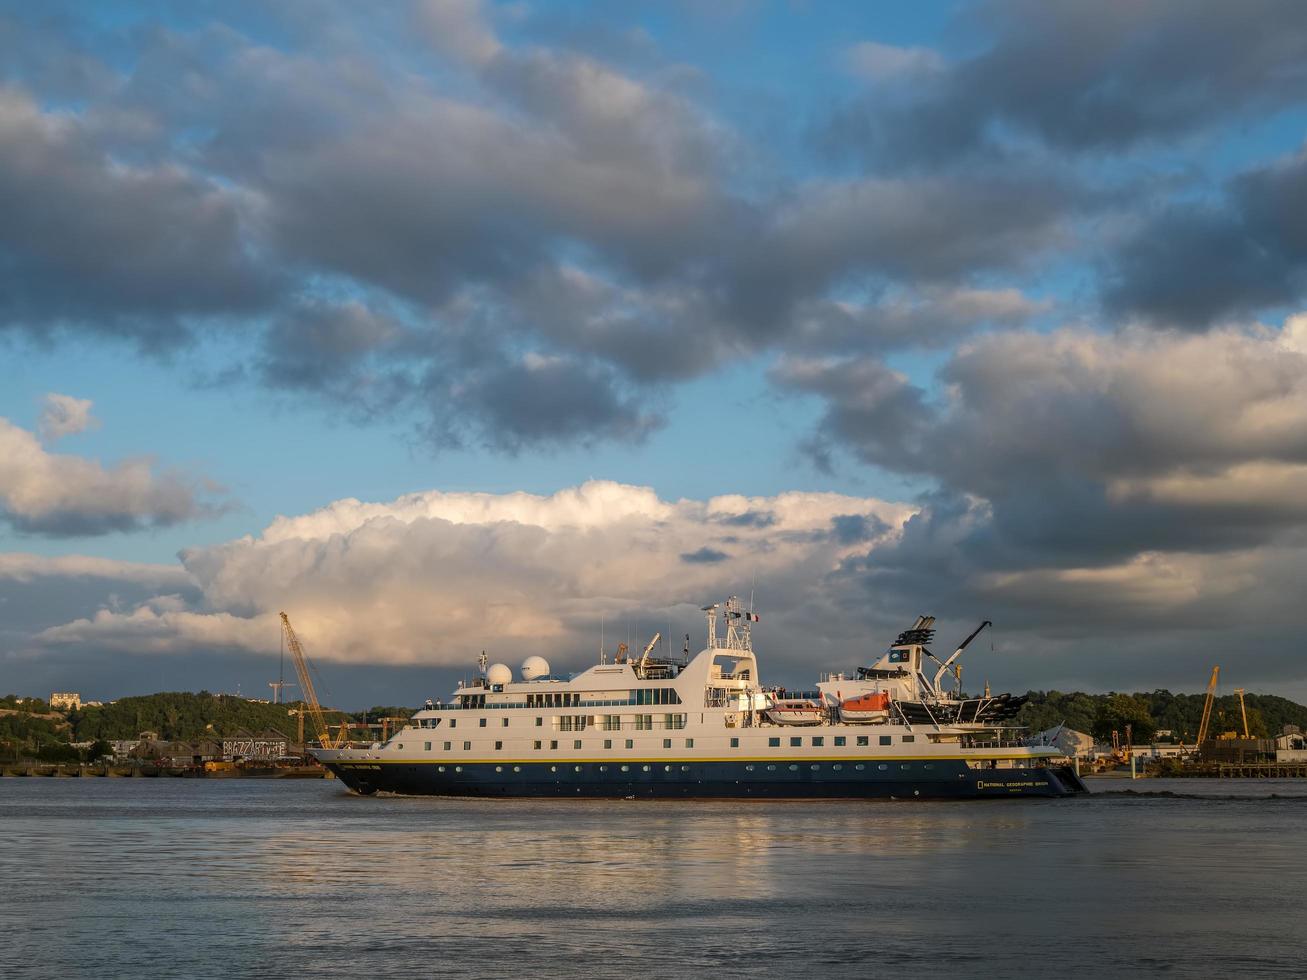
x=1104, y=77
x=704, y=556
x=1190, y=266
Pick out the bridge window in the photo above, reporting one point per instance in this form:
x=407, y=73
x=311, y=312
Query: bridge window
x=886, y=740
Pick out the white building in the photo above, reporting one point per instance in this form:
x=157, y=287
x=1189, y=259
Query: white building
x=66, y=701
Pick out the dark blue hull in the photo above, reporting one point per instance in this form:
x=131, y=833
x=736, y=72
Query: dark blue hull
x=871, y=779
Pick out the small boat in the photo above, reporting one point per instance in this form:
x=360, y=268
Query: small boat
x=866, y=709
x=796, y=712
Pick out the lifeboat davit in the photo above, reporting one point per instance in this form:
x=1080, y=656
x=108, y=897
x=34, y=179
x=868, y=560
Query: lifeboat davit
x=796, y=713
x=866, y=708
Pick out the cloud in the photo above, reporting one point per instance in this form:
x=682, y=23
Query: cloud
x=64, y=415
x=881, y=63
x=60, y=495
x=432, y=577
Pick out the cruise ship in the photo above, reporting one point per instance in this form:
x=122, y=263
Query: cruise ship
x=705, y=726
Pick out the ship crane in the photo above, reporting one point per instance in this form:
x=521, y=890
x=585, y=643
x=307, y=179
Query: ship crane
x=1243, y=712
x=321, y=731
x=944, y=665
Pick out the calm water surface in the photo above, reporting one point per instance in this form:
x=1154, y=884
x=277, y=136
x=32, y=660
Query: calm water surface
x=152, y=878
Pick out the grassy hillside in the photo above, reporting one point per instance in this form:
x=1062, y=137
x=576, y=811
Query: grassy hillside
x=182, y=715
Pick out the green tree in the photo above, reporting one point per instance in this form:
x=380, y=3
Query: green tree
x=1116, y=711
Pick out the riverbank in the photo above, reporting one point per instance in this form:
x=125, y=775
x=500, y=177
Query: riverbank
x=45, y=770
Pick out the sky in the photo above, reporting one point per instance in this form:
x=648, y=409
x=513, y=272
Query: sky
x=447, y=325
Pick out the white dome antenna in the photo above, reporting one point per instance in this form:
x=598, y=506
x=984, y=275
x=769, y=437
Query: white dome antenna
x=499, y=674
x=534, y=668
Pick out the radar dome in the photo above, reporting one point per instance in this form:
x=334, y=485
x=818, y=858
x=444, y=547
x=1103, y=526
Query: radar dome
x=534, y=668
x=499, y=674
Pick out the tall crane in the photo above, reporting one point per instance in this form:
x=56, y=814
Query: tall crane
x=321, y=731
x=1207, y=708
x=1243, y=712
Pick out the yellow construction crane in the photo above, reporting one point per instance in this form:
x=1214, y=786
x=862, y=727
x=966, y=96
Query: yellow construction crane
x=1243, y=712
x=322, y=732
x=1207, y=708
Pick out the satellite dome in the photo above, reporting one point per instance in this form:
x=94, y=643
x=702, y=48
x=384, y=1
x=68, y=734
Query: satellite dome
x=534, y=668
x=499, y=674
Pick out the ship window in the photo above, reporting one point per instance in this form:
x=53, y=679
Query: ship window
x=400, y=745
x=667, y=768
x=882, y=767
x=482, y=722
x=517, y=769
x=928, y=765
x=774, y=742
x=689, y=743
x=906, y=765
x=645, y=768
x=467, y=746
x=577, y=768
x=771, y=768
x=685, y=768
x=458, y=769
x=748, y=768
x=503, y=722
x=814, y=767
x=864, y=740
x=448, y=746
x=576, y=744
x=499, y=768
x=603, y=768
x=794, y=768
x=886, y=739
x=539, y=722
x=608, y=743
x=859, y=767
x=453, y=722
x=536, y=744
x=630, y=743
x=553, y=744
x=908, y=738
x=837, y=766
x=796, y=740
x=498, y=746
x=667, y=743
x=553, y=769
x=818, y=740
x=428, y=746
x=626, y=768
x=839, y=739
x=440, y=768
x=735, y=743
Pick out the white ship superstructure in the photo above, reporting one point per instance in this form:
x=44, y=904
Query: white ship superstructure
x=706, y=726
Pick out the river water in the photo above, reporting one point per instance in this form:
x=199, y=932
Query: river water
x=147, y=878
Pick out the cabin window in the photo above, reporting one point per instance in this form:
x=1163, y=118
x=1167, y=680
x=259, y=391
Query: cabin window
x=603, y=768
x=774, y=742
x=612, y=723
x=630, y=743
x=644, y=768
x=608, y=743
x=467, y=746
x=796, y=740
x=644, y=723
x=886, y=739
x=553, y=744
x=864, y=740
x=536, y=744
x=503, y=722
x=667, y=743
x=400, y=746
x=839, y=739
x=427, y=746
x=908, y=738
x=540, y=722
x=517, y=769
x=735, y=743
x=818, y=740
x=674, y=721
x=689, y=743
x=499, y=746
x=482, y=722
x=448, y=746
x=882, y=767
x=458, y=769
x=453, y=722
x=576, y=744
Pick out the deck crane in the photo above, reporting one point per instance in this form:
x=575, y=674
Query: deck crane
x=322, y=731
x=1243, y=711
x=1207, y=709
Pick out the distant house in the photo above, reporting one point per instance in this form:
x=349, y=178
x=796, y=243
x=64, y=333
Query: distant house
x=263, y=746
x=1075, y=744
x=66, y=701
x=1291, y=746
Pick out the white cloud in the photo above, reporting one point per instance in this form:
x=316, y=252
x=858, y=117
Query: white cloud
x=64, y=415
x=434, y=577
x=21, y=567
x=878, y=62
x=57, y=494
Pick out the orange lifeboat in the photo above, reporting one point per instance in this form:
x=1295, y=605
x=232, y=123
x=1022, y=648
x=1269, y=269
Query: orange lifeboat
x=866, y=708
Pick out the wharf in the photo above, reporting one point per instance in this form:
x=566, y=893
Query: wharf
x=71, y=771
x=1241, y=770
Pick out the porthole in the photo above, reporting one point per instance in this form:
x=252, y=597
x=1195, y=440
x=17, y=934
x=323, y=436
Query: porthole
x=626, y=768
x=517, y=769
x=814, y=767
x=578, y=768
x=794, y=768
x=499, y=768
x=905, y=766
x=400, y=745
x=553, y=769
x=458, y=769
x=882, y=767
x=440, y=768
x=771, y=768
x=603, y=768
x=748, y=768
x=685, y=768
x=645, y=768
x=859, y=767
x=928, y=765
x=667, y=768
x=837, y=766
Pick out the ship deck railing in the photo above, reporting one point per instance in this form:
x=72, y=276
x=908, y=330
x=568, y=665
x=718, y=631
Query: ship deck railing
x=608, y=703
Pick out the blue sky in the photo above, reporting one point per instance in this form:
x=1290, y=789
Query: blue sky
x=1009, y=287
